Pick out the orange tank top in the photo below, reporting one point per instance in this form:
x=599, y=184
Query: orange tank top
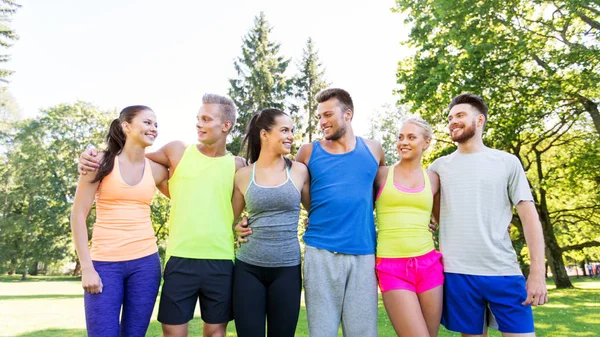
x=123, y=229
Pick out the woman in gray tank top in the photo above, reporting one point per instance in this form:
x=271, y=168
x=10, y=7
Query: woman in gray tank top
x=267, y=279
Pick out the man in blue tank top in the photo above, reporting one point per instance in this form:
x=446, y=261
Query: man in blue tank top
x=339, y=260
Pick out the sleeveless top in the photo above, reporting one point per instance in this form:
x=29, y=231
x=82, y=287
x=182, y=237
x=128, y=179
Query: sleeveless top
x=341, y=208
x=403, y=220
x=273, y=213
x=123, y=230
x=201, y=214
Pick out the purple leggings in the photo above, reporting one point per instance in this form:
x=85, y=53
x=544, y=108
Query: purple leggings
x=132, y=285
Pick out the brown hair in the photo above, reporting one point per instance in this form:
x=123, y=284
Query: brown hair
x=115, y=139
x=342, y=96
x=474, y=101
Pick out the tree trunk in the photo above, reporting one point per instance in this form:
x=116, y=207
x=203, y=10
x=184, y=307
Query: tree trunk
x=24, y=275
x=553, y=251
x=77, y=269
x=592, y=109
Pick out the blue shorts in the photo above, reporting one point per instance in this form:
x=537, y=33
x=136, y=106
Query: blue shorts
x=471, y=303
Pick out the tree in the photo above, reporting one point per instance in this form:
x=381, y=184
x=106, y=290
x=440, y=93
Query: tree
x=7, y=34
x=535, y=63
x=40, y=182
x=309, y=81
x=261, y=82
x=384, y=126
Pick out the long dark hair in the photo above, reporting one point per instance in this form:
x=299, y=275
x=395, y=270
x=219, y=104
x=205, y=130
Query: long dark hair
x=262, y=120
x=115, y=139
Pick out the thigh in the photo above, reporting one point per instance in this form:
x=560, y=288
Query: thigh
x=216, y=290
x=464, y=309
x=102, y=310
x=179, y=292
x=283, y=301
x=404, y=310
x=249, y=300
x=505, y=295
x=431, y=302
x=324, y=284
x=359, y=312
x=141, y=288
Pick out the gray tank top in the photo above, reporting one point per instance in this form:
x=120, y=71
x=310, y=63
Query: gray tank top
x=273, y=213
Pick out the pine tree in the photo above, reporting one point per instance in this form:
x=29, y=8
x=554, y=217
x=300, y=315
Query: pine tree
x=308, y=82
x=260, y=81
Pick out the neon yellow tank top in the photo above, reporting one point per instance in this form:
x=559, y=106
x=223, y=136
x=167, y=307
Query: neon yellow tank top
x=201, y=213
x=403, y=220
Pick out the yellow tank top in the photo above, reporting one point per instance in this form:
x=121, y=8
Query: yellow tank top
x=123, y=229
x=403, y=220
x=201, y=214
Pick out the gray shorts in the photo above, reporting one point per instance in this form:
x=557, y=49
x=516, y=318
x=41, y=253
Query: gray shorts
x=340, y=288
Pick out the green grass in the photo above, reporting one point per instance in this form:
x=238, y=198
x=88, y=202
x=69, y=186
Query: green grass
x=571, y=312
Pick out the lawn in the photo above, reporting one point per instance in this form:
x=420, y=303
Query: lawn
x=53, y=307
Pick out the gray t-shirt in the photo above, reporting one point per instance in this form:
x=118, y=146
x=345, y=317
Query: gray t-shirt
x=478, y=191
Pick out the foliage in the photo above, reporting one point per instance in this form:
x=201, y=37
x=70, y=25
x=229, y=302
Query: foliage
x=536, y=65
x=306, y=84
x=260, y=82
x=7, y=34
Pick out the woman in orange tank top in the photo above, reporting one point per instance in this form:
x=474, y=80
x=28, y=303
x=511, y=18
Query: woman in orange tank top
x=121, y=270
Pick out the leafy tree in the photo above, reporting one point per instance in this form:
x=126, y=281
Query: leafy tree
x=309, y=81
x=260, y=82
x=7, y=34
x=384, y=126
x=536, y=64
x=41, y=178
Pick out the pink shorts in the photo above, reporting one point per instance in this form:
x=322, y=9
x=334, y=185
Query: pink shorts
x=417, y=274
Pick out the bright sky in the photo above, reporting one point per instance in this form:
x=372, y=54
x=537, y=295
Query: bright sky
x=116, y=53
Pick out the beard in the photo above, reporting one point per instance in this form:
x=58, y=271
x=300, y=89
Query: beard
x=467, y=133
x=339, y=133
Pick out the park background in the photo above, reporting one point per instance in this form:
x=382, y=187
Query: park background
x=68, y=67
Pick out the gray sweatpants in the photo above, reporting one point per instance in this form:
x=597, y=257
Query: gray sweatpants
x=340, y=287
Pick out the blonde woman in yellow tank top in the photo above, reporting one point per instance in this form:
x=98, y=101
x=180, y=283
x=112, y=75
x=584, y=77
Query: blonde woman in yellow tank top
x=121, y=270
x=408, y=267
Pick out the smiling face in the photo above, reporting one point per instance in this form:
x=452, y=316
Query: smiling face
x=463, y=122
x=412, y=141
x=332, y=120
x=143, y=128
x=280, y=137
x=210, y=126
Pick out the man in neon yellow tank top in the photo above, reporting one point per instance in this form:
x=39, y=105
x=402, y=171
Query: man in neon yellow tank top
x=200, y=248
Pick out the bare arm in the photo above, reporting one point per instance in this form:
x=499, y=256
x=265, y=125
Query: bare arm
x=304, y=152
x=84, y=198
x=89, y=161
x=434, y=180
x=164, y=155
x=238, y=202
x=161, y=178
x=305, y=188
x=537, y=294
x=240, y=162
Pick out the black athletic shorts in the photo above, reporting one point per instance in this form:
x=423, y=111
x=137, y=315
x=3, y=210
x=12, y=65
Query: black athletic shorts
x=188, y=280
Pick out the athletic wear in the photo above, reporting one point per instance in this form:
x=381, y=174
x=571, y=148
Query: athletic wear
x=273, y=213
x=201, y=214
x=403, y=220
x=478, y=191
x=132, y=285
x=186, y=280
x=473, y=302
x=417, y=274
x=341, y=207
x=273, y=292
x=340, y=286
x=123, y=230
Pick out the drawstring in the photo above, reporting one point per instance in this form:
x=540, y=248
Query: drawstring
x=414, y=262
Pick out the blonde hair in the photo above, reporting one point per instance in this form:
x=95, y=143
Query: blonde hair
x=420, y=122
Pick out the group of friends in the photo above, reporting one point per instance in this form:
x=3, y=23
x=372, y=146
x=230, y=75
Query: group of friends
x=472, y=283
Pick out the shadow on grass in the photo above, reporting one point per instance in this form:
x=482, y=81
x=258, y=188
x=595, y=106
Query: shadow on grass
x=38, y=297
x=17, y=278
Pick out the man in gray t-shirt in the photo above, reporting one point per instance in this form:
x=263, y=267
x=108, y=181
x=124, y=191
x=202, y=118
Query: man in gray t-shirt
x=479, y=187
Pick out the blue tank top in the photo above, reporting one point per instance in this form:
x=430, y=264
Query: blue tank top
x=341, y=205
